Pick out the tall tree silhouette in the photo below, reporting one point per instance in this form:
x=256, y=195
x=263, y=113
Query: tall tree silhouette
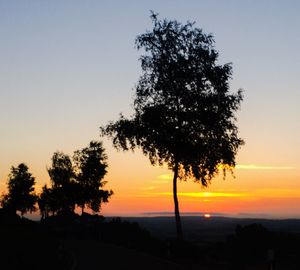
x=20, y=196
x=64, y=189
x=91, y=167
x=183, y=109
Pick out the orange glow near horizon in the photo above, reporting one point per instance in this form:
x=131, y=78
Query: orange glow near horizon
x=203, y=194
x=140, y=188
x=254, y=189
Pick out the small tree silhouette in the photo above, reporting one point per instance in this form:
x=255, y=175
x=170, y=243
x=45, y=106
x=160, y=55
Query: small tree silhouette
x=183, y=110
x=91, y=167
x=48, y=202
x=63, y=194
x=20, y=196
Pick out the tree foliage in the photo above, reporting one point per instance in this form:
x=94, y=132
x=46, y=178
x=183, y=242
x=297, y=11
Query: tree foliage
x=20, y=196
x=184, y=112
x=63, y=194
x=48, y=202
x=61, y=171
x=77, y=183
x=91, y=167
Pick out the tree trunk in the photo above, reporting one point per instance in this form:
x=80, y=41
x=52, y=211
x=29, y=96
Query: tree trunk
x=176, y=205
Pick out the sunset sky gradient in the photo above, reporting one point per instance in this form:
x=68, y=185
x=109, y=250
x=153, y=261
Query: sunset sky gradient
x=68, y=67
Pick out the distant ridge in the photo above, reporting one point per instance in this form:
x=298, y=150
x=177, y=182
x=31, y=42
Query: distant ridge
x=166, y=213
x=220, y=214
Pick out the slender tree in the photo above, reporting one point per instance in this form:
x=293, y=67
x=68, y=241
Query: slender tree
x=20, y=196
x=91, y=167
x=184, y=112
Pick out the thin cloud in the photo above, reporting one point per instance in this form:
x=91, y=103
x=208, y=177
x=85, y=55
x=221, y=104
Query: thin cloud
x=165, y=176
x=160, y=181
x=262, y=167
x=204, y=194
x=278, y=193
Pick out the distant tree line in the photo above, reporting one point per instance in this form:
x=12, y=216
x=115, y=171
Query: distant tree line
x=74, y=182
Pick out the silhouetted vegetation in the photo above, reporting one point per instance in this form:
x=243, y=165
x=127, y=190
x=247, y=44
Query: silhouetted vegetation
x=20, y=196
x=183, y=109
x=66, y=241
x=63, y=180
x=26, y=245
x=250, y=244
x=91, y=167
x=49, y=203
x=255, y=245
x=79, y=184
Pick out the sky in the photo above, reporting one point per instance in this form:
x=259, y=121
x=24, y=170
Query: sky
x=69, y=67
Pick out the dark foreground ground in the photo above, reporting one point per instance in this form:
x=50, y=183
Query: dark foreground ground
x=209, y=230
x=90, y=242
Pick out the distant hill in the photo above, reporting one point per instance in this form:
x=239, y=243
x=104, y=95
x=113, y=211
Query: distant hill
x=201, y=229
x=90, y=241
